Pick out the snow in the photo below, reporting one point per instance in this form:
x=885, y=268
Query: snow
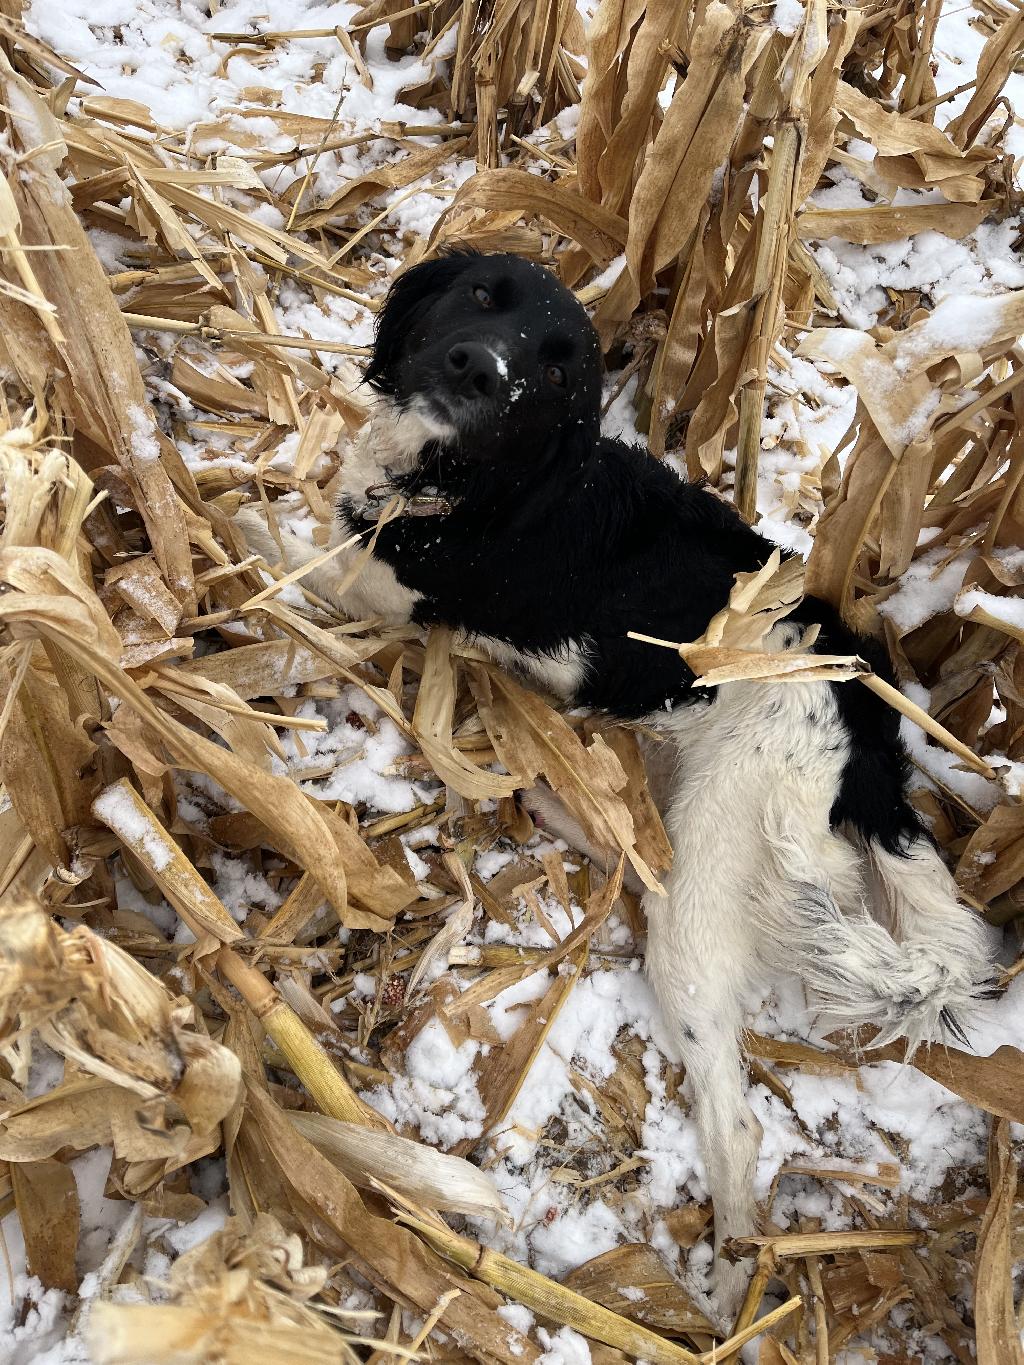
x=42, y=1324
x=115, y=807
x=973, y=321
x=928, y=587
x=1008, y=609
x=944, y=767
x=437, y=1095
x=982, y=263
x=788, y=15
x=575, y=1236
x=145, y=445
x=188, y=1235
x=564, y=1347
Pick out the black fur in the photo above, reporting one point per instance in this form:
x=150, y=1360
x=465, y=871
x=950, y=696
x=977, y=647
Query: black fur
x=558, y=535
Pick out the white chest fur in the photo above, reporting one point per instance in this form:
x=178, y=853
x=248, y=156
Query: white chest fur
x=389, y=445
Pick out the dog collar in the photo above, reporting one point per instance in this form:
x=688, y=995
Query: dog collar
x=428, y=503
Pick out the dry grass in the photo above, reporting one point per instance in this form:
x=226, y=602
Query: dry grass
x=116, y=560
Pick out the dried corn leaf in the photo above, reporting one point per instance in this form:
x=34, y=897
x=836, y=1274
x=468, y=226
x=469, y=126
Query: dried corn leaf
x=932, y=152
x=97, y=1007
x=88, y=1113
x=409, y=167
x=432, y=726
x=998, y=1334
x=123, y=810
x=651, y=840
x=732, y=648
x=600, y=232
x=531, y=739
x=272, y=666
x=888, y=223
x=502, y=1075
x=240, y=1291
x=993, y=860
x=330, y=1210
x=43, y=751
x=92, y=361
x=46, y=1198
x=692, y=142
x=77, y=623
x=416, y=1171
x=633, y=1280
x=999, y=57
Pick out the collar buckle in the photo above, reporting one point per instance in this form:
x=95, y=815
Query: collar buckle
x=429, y=503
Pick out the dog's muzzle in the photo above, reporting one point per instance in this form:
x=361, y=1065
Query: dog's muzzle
x=473, y=371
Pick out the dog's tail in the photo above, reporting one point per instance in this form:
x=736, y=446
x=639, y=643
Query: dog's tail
x=919, y=977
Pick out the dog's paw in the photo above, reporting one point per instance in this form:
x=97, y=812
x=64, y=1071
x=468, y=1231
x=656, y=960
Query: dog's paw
x=254, y=531
x=718, y=1292
x=729, y=1283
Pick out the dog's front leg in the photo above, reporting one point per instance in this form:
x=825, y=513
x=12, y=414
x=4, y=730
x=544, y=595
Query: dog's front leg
x=360, y=591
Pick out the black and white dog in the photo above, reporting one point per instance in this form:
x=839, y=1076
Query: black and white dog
x=547, y=544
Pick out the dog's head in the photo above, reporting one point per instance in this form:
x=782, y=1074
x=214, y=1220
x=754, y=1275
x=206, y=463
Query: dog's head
x=498, y=355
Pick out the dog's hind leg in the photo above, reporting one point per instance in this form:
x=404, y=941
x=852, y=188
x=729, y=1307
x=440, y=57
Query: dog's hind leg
x=694, y=977
x=726, y=913
x=699, y=958
x=930, y=919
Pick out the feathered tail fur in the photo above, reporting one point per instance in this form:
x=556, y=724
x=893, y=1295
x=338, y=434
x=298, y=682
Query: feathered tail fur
x=888, y=944
x=919, y=988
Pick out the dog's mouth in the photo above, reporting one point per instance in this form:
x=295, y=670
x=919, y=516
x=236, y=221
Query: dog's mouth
x=471, y=416
x=442, y=408
x=465, y=417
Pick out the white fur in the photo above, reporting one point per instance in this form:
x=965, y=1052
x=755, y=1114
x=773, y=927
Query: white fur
x=760, y=879
x=701, y=951
x=561, y=674
x=388, y=445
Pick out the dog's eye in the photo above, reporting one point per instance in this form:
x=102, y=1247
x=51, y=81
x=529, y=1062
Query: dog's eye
x=483, y=297
x=554, y=374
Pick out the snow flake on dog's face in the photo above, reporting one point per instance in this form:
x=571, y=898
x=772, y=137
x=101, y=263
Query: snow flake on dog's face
x=490, y=344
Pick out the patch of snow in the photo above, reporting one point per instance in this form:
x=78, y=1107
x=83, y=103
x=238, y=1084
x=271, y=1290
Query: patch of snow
x=114, y=806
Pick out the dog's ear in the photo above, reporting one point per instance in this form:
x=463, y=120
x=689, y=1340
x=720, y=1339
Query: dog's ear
x=410, y=295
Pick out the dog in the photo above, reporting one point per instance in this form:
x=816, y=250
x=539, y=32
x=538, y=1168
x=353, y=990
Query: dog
x=545, y=543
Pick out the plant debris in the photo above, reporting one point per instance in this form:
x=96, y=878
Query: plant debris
x=272, y=927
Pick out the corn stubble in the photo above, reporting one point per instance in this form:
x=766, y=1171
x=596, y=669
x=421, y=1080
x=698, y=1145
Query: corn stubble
x=115, y=558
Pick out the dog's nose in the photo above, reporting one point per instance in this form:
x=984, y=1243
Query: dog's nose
x=472, y=370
